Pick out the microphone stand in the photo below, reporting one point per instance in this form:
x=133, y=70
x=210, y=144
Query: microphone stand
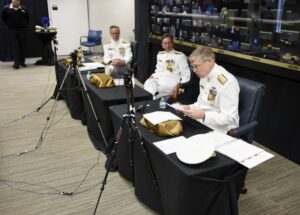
x=129, y=117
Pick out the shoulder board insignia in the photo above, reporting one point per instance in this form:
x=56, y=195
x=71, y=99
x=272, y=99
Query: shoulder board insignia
x=161, y=52
x=177, y=52
x=107, y=42
x=222, y=79
x=125, y=41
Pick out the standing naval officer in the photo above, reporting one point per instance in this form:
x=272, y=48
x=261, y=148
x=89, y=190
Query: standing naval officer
x=217, y=104
x=171, y=69
x=16, y=17
x=117, y=51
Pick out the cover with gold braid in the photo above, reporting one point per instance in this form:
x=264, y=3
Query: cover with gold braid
x=168, y=128
x=102, y=80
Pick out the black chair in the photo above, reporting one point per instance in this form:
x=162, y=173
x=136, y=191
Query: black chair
x=93, y=39
x=250, y=98
x=251, y=93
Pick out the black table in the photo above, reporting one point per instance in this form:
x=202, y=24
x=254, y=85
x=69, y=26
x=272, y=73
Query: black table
x=102, y=98
x=71, y=91
x=211, y=187
x=47, y=51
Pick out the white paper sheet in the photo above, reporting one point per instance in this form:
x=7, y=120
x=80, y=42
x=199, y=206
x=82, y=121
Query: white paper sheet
x=160, y=116
x=221, y=139
x=91, y=66
x=239, y=150
x=170, y=145
x=257, y=159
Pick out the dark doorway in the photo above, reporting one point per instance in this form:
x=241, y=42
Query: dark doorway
x=37, y=10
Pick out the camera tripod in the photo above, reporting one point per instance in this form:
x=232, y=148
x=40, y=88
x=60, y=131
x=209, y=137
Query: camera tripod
x=74, y=65
x=129, y=117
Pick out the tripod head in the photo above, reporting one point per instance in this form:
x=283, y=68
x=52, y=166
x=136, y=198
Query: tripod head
x=75, y=59
x=129, y=89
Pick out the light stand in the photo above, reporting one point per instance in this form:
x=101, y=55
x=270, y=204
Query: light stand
x=129, y=117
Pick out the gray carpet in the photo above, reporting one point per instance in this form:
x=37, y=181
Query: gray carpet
x=30, y=183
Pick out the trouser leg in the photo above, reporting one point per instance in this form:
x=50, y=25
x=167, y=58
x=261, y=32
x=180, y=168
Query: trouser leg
x=15, y=47
x=151, y=86
x=22, y=43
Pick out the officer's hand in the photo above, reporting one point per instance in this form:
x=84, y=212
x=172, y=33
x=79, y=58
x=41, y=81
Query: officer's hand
x=194, y=113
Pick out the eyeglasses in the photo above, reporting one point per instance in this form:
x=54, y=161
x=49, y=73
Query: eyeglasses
x=195, y=67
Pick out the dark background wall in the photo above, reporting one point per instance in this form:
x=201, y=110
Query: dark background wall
x=37, y=10
x=279, y=118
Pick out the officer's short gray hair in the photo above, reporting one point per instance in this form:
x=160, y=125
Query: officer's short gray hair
x=202, y=54
x=114, y=26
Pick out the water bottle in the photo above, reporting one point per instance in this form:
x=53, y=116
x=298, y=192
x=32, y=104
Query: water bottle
x=88, y=75
x=162, y=103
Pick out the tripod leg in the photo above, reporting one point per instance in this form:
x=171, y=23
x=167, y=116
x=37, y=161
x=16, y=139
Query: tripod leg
x=91, y=105
x=145, y=152
x=111, y=159
x=52, y=109
x=40, y=107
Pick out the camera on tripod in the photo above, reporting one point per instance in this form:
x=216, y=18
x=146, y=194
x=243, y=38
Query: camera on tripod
x=75, y=58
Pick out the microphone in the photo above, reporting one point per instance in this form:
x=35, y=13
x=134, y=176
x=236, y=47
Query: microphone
x=45, y=21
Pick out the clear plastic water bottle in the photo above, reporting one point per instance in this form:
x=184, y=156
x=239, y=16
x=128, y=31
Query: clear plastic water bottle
x=162, y=103
x=88, y=75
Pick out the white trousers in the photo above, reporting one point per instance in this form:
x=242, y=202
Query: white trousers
x=162, y=85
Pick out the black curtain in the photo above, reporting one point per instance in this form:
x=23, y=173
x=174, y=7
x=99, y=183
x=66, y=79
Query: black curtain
x=142, y=36
x=37, y=9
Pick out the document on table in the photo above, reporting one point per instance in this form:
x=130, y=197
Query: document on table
x=236, y=149
x=160, y=116
x=91, y=66
x=244, y=153
x=170, y=145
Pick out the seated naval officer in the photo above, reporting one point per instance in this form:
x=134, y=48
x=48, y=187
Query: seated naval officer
x=217, y=103
x=117, y=52
x=171, y=69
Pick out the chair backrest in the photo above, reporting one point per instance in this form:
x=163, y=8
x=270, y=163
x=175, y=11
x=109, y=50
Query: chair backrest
x=250, y=99
x=95, y=36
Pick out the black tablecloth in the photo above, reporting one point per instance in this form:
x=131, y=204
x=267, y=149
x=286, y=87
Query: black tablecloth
x=102, y=98
x=211, y=187
x=71, y=92
x=47, y=51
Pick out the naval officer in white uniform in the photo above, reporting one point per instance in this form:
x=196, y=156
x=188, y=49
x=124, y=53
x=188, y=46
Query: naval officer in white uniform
x=217, y=104
x=171, y=68
x=117, y=51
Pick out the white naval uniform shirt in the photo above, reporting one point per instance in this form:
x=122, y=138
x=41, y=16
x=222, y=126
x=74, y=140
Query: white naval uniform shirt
x=171, y=68
x=120, y=49
x=172, y=64
x=219, y=98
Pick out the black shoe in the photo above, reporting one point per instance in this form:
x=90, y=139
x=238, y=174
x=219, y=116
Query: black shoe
x=15, y=66
x=24, y=65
